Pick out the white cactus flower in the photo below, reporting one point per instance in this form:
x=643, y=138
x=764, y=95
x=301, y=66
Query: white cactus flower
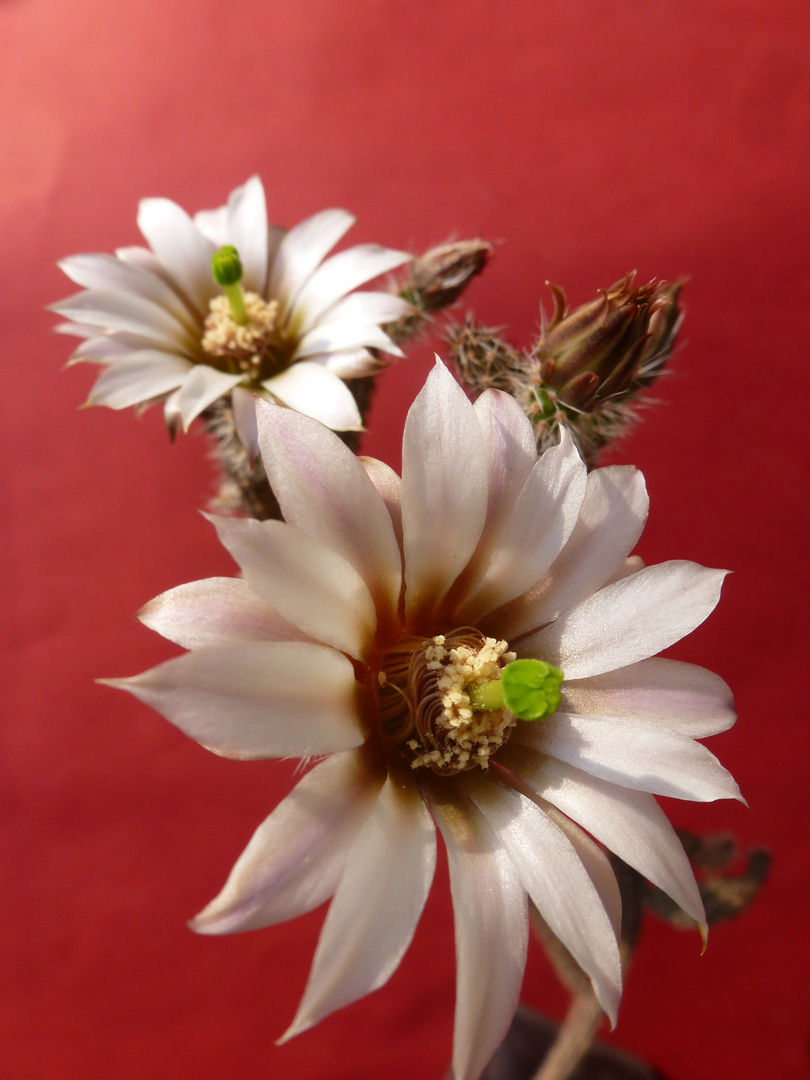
x=163, y=328
x=365, y=633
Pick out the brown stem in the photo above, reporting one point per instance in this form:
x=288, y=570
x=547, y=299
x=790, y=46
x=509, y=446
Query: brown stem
x=585, y=1015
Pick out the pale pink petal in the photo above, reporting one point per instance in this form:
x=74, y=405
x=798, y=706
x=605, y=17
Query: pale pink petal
x=305, y=581
x=611, y=519
x=330, y=337
x=687, y=698
x=244, y=419
x=629, y=620
x=633, y=753
x=491, y=926
x=106, y=273
x=557, y=882
x=297, y=856
x=126, y=311
x=629, y=823
x=592, y=857
x=311, y=389
x=376, y=907
x=323, y=490
x=389, y=488
x=181, y=247
x=534, y=531
x=203, y=386
x=301, y=251
x=341, y=275
x=140, y=376
x=444, y=491
x=216, y=611
x=257, y=699
x=247, y=231
x=511, y=451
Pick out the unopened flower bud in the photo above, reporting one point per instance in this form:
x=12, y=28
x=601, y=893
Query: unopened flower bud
x=611, y=346
x=440, y=276
x=587, y=366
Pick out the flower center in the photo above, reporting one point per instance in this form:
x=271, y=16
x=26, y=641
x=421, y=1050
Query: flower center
x=243, y=347
x=424, y=702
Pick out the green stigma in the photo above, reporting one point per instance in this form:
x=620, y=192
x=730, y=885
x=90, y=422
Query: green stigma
x=226, y=268
x=529, y=689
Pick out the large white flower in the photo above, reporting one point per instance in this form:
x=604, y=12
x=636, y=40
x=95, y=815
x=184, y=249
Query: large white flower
x=362, y=630
x=164, y=330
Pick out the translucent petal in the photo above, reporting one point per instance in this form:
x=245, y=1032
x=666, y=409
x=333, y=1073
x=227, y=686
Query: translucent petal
x=634, y=754
x=323, y=490
x=558, y=883
x=491, y=925
x=305, y=581
x=630, y=620
x=256, y=699
x=203, y=386
x=444, y=492
x=297, y=856
x=682, y=696
x=376, y=907
x=216, y=611
x=629, y=823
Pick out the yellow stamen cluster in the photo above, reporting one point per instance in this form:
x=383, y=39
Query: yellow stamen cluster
x=245, y=346
x=463, y=738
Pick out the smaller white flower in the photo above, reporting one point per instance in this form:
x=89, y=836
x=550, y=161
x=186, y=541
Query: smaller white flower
x=165, y=330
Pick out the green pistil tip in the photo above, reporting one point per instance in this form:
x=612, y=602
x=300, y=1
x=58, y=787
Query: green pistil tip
x=529, y=689
x=226, y=268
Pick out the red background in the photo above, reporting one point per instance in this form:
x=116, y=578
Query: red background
x=590, y=138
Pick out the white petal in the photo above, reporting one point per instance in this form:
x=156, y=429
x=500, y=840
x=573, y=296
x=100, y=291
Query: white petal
x=311, y=389
x=213, y=224
x=611, y=519
x=141, y=376
x=510, y=450
x=216, y=611
x=444, y=491
x=302, y=579
x=629, y=620
x=687, y=698
x=295, y=859
x=376, y=907
x=257, y=699
x=247, y=231
x=389, y=488
x=535, y=530
x=102, y=350
x=491, y=924
x=106, y=273
x=181, y=247
x=323, y=490
x=244, y=419
x=340, y=275
x=559, y=885
x=629, y=823
x=172, y=416
x=376, y=308
x=351, y=364
x=301, y=250
x=325, y=338
x=126, y=311
x=634, y=754
x=203, y=386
